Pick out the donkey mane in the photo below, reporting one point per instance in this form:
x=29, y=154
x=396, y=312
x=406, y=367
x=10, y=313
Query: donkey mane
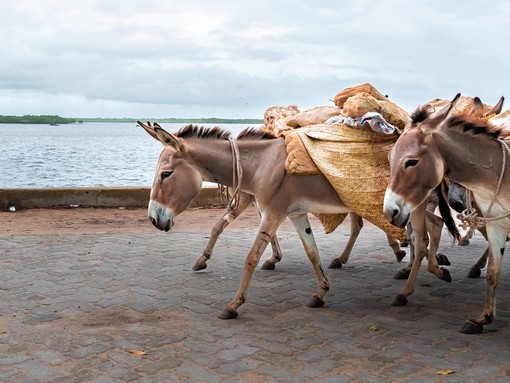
x=255, y=134
x=461, y=122
x=190, y=130
x=421, y=113
x=467, y=124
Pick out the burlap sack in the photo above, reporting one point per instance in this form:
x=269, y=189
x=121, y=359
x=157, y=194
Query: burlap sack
x=361, y=103
x=275, y=118
x=341, y=97
x=298, y=160
x=464, y=105
x=502, y=121
x=313, y=116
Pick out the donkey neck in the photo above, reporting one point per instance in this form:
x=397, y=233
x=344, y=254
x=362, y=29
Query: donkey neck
x=475, y=161
x=214, y=160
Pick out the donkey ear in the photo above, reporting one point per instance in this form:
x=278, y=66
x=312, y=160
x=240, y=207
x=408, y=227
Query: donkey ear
x=149, y=128
x=497, y=108
x=477, y=108
x=436, y=119
x=168, y=139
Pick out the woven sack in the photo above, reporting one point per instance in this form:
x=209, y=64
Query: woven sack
x=355, y=161
x=330, y=221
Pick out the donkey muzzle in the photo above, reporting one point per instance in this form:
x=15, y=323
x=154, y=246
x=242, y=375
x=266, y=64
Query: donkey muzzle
x=160, y=216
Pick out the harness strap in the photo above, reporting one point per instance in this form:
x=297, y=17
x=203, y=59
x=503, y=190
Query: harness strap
x=237, y=175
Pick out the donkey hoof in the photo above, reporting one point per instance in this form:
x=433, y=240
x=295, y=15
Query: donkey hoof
x=199, y=266
x=446, y=275
x=474, y=272
x=227, y=314
x=463, y=242
x=336, y=264
x=471, y=327
x=315, y=302
x=267, y=266
x=442, y=259
x=400, y=255
x=399, y=300
x=401, y=274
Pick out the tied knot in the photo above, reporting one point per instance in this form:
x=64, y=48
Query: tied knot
x=471, y=220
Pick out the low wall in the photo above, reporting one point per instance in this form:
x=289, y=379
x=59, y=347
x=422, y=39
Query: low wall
x=25, y=198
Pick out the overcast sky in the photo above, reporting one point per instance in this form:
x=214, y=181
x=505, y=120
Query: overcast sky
x=234, y=59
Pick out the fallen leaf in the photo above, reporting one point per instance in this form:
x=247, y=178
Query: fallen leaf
x=137, y=352
x=445, y=372
x=374, y=327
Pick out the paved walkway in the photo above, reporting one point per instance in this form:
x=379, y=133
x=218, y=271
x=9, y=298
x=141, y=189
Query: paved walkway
x=126, y=307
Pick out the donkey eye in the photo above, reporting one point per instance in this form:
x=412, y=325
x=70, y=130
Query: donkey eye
x=165, y=175
x=410, y=163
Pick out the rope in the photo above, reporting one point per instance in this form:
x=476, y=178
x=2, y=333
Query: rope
x=469, y=217
x=237, y=175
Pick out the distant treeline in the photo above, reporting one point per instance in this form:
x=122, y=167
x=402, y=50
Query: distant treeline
x=181, y=120
x=41, y=119
x=57, y=120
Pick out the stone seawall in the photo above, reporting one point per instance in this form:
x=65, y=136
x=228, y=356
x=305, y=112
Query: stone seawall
x=25, y=198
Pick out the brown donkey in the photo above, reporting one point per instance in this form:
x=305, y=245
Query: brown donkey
x=473, y=107
x=464, y=150
x=196, y=154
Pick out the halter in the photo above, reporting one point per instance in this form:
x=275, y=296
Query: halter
x=237, y=175
x=469, y=217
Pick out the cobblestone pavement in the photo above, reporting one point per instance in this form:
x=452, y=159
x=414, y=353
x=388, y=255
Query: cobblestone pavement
x=95, y=306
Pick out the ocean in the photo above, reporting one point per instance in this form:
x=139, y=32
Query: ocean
x=80, y=155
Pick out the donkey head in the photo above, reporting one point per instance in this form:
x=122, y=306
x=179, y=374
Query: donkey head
x=176, y=182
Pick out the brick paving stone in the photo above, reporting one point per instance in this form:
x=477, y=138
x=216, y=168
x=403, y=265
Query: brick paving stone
x=72, y=306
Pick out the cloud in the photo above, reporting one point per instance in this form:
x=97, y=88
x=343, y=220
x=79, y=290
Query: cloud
x=235, y=59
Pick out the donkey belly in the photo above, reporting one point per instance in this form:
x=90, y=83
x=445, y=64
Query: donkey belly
x=313, y=194
x=311, y=206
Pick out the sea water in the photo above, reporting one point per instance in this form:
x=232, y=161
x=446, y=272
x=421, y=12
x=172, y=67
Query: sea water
x=81, y=154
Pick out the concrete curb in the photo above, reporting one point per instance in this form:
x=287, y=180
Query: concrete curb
x=26, y=198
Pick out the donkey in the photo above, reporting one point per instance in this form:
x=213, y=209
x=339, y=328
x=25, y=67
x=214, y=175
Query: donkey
x=464, y=150
x=196, y=154
x=475, y=108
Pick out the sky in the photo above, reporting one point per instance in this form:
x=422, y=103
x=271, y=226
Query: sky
x=235, y=59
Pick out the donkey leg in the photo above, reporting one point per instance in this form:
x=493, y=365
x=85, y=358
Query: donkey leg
x=304, y=230
x=269, y=264
x=418, y=239
x=228, y=217
x=434, y=226
x=266, y=231
x=464, y=241
x=497, y=237
x=395, y=246
x=356, y=226
x=403, y=273
x=476, y=270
